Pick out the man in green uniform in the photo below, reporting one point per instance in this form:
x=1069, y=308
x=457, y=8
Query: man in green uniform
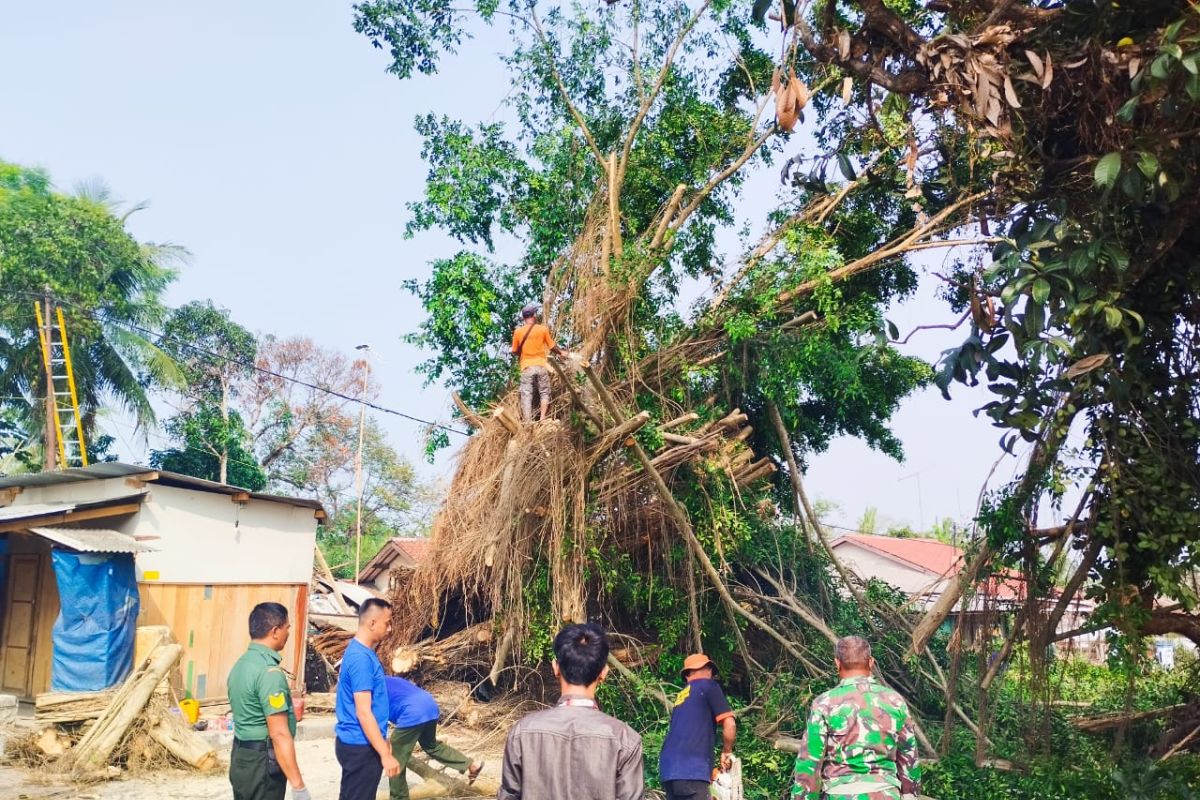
x=860, y=743
x=263, y=761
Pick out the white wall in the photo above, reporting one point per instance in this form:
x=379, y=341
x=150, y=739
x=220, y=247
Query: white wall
x=208, y=538
x=869, y=564
x=202, y=537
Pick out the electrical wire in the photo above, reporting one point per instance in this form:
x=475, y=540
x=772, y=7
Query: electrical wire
x=134, y=327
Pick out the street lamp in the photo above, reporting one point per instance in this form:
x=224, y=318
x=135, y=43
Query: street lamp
x=365, y=349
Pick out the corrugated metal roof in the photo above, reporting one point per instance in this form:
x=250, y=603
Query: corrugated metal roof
x=104, y=469
x=13, y=513
x=93, y=540
x=116, y=469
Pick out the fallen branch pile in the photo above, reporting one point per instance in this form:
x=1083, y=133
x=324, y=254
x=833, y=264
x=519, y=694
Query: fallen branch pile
x=331, y=642
x=129, y=725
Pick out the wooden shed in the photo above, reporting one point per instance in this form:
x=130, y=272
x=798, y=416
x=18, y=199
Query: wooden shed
x=205, y=554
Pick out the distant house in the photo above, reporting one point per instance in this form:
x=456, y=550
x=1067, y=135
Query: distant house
x=399, y=553
x=923, y=568
x=111, y=541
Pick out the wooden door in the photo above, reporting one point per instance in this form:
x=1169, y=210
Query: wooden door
x=20, y=616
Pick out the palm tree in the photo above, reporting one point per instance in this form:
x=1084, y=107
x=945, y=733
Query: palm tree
x=76, y=249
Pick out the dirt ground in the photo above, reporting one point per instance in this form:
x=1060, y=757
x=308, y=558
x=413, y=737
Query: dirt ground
x=317, y=762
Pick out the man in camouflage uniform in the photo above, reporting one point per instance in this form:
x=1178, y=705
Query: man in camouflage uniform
x=860, y=743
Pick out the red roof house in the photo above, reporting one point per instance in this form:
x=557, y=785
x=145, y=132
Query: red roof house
x=400, y=552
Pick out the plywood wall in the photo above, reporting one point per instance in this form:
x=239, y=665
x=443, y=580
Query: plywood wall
x=45, y=610
x=210, y=621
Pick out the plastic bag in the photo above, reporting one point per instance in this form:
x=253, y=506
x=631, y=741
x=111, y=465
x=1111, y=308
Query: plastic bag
x=728, y=785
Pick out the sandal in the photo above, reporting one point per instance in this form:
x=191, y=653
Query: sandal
x=473, y=772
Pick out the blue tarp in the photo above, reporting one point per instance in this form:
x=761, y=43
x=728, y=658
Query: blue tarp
x=95, y=630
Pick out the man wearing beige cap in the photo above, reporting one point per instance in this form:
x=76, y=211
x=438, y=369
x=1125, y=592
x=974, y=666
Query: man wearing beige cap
x=686, y=763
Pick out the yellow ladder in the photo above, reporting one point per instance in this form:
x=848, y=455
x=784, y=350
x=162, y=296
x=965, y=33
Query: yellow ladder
x=56, y=357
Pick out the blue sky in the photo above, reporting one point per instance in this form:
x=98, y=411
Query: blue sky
x=271, y=143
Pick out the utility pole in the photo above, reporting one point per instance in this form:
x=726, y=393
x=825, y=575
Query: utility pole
x=358, y=460
x=49, y=436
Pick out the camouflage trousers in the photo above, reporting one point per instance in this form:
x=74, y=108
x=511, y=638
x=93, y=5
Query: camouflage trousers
x=533, y=377
x=891, y=794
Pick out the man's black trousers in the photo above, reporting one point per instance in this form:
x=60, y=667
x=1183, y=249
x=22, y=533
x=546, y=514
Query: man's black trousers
x=687, y=790
x=362, y=770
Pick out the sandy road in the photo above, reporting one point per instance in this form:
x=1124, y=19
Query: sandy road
x=317, y=761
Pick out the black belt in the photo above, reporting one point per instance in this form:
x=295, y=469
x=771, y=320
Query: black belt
x=260, y=746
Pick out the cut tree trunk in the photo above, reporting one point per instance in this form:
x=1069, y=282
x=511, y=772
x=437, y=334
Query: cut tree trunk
x=183, y=743
x=96, y=747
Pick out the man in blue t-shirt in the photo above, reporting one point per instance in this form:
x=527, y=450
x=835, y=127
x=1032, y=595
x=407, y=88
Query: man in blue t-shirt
x=362, y=707
x=414, y=713
x=686, y=762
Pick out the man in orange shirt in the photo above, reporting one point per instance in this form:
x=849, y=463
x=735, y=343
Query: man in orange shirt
x=531, y=343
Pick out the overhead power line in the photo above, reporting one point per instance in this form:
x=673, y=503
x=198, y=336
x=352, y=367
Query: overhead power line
x=263, y=370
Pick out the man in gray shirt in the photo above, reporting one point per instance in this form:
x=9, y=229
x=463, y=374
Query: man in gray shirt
x=574, y=750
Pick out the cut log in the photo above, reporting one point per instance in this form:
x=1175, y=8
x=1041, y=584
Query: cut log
x=439, y=783
x=755, y=473
x=691, y=416
x=183, y=743
x=51, y=743
x=406, y=659
x=676, y=439
x=146, y=639
x=501, y=415
x=619, y=434
x=95, y=748
x=788, y=744
x=65, y=707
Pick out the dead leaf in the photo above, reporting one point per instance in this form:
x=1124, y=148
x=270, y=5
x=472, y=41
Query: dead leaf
x=1134, y=65
x=847, y=90
x=1010, y=94
x=844, y=44
x=1036, y=62
x=995, y=110
x=799, y=91
x=1086, y=365
x=1076, y=64
x=1049, y=76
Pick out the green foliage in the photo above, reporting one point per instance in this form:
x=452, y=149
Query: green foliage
x=109, y=286
x=212, y=350
x=206, y=436
x=473, y=307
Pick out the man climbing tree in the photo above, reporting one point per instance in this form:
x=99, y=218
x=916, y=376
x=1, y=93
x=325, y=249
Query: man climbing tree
x=532, y=343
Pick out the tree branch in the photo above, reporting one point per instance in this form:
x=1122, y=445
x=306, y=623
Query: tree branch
x=562, y=90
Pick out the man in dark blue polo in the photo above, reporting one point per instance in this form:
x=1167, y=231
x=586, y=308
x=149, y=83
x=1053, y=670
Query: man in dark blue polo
x=686, y=762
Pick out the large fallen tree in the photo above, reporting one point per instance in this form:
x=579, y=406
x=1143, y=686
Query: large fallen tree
x=665, y=494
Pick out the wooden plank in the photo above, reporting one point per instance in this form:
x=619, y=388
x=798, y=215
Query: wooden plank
x=47, y=612
x=300, y=633
x=20, y=616
x=70, y=516
x=213, y=630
